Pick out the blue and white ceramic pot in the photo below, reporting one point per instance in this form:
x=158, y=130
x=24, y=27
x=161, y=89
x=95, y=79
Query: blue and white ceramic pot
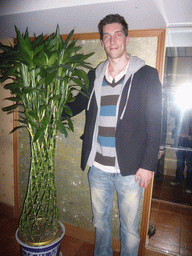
x=52, y=249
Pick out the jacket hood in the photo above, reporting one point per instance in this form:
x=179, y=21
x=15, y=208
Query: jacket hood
x=135, y=64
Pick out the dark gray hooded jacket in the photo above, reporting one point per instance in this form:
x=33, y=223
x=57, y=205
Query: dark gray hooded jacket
x=138, y=127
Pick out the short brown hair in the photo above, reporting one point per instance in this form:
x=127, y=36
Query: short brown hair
x=112, y=18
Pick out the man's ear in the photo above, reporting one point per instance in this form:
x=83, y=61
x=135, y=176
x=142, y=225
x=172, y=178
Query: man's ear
x=102, y=44
x=127, y=40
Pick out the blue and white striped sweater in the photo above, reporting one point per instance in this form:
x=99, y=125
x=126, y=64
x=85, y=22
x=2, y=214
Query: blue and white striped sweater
x=106, y=152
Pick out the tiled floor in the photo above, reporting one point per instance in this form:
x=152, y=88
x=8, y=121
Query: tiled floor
x=173, y=220
x=173, y=227
x=70, y=246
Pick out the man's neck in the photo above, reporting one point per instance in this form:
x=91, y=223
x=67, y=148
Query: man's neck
x=117, y=65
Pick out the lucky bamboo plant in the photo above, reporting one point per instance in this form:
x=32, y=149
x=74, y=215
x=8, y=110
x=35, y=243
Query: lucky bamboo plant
x=46, y=75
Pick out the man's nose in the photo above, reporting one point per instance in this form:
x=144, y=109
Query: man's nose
x=112, y=39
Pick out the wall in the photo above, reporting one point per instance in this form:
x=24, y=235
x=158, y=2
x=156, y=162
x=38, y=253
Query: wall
x=72, y=186
x=6, y=148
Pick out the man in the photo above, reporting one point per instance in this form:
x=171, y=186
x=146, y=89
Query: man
x=182, y=134
x=121, y=137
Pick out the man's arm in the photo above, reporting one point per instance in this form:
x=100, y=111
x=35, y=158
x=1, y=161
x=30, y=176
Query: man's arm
x=153, y=126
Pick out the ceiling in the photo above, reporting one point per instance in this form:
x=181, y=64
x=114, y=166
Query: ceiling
x=42, y=16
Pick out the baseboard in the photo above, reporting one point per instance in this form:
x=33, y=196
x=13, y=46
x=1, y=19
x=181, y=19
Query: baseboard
x=6, y=209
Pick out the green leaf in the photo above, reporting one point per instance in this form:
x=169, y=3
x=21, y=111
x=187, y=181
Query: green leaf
x=82, y=75
x=69, y=37
x=70, y=123
x=55, y=98
x=50, y=76
x=32, y=123
x=85, y=93
x=41, y=59
x=24, y=48
x=53, y=58
x=28, y=90
x=30, y=118
x=68, y=110
x=38, y=134
x=38, y=49
x=23, y=121
x=80, y=58
x=33, y=113
x=45, y=121
x=43, y=107
x=36, y=43
x=17, y=99
x=61, y=128
x=27, y=39
x=10, y=107
x=78, y=82
x=13, y=86
x=8, y=74
x=18, y=127
x=72, y=47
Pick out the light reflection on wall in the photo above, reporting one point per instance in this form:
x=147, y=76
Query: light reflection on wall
x=183, y=96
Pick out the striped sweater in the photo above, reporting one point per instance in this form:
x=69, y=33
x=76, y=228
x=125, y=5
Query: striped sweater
x=105, y=158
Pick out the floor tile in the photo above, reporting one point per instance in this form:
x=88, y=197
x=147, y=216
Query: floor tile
x=4, y=219
x=10, y=227
x=185, y=252
x=157, y=191
x=70, y=245
x=165, y=247
x=170, y=207
x=9, y=246
x=154, y=204
x=166, y=235
x=186, y=239
x=187, y=211
x=169, y=219
x=186, y=223
x=86, y=249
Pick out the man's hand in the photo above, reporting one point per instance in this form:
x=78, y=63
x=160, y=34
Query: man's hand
x=145, y=176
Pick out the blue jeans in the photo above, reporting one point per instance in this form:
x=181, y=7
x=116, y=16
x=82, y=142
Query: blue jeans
x=182, y=157
x=102, y=186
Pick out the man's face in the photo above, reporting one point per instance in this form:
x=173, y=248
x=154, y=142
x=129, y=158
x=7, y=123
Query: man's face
x=114, y=40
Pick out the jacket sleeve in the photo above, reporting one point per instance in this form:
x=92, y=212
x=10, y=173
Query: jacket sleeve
x=153, y=122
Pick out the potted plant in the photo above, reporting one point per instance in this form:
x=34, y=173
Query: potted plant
x=47, y=73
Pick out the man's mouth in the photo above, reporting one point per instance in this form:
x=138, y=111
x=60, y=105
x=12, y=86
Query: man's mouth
x=113, y=48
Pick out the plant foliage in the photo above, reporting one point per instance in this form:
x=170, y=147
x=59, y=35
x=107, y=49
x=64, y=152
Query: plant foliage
x=46, y=74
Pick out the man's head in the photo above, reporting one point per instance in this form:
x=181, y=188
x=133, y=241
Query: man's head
x=112, y=18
